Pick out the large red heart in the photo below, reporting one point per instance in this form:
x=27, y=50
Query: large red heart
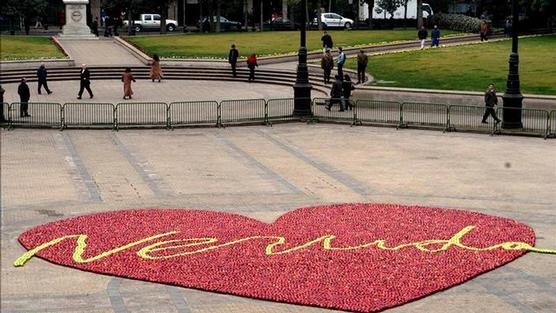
x=352, y=271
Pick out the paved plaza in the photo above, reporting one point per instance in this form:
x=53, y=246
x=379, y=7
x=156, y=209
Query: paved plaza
x=264, y=172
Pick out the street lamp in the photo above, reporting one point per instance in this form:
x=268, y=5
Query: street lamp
x=302, y=87
x=513, y=99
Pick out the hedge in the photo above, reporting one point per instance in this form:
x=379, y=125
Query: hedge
x=457, y=22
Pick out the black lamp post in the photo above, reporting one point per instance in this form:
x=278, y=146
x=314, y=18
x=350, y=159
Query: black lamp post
x=302, y=87
x=513, y=99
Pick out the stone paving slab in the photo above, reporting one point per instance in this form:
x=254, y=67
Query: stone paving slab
x=277, y=169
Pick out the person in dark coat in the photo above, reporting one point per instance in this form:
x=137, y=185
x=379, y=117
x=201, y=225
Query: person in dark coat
x=251, y=64
x=347, y=87
x=362, y=61
x=336, y=94
x=484, y=30
x=326, y=42
x=435, y=36
x=490, y=101
x=2, y=117
x=327, y=64
x=42, y=75
x=232, y=59
x=422, y=34
x=85, y=81
x=24, y=96
x=94, y=26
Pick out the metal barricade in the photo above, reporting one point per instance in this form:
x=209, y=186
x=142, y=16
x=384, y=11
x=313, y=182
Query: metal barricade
x=378, y=112
x=41, y=114
x=142, y=114
x=193, y=113
x=534, y=122
x=552, y=125
x=333, y=110
x=468, y=118
x=281, y=109
x=422, y=114
x=89, y=115
x=242, y=111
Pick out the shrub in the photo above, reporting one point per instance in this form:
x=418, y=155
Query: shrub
x=457, y=22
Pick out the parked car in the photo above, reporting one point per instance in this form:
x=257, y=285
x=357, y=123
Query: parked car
x=280, y=23
x=225, y=24
x=151, y=21
x=331, y=20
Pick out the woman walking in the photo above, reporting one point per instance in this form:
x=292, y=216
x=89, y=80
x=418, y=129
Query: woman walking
x=251, y=64
x=127, y=78
x=156, y=69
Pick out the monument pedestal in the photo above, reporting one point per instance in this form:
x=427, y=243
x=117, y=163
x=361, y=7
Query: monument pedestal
x=76, y=21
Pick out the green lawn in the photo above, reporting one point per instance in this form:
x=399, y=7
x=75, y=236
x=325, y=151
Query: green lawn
x=469, y=67
x=28, y=47
x=263, y=44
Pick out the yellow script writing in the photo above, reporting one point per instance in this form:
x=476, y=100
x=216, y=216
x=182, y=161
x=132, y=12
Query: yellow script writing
x=165, y=249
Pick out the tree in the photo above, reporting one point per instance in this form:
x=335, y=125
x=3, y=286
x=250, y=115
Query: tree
x=390, y=6
x=14, y=9
x=370, y=6
x=419, y=14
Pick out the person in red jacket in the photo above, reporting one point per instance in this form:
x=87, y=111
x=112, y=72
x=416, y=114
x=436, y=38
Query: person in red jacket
x=251, y=64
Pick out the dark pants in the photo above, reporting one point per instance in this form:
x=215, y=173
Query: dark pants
x=484, y=37
x=2, y=117
x=341, y=71
x=435, y=42
x=327, y=76
x=251, y=73
x=85, y=85
x=24, y=108
x=361, y=73
x=347, y=103
x=233, y=69
x=334, y=101
x=490, y=111
x=43, y=83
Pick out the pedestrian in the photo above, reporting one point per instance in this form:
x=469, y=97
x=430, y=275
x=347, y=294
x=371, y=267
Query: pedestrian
x=422, y=34
x=94, y=26
x=38, y=22
x=435, y=36
x=2, y=118
x=24, y=96
x=362, y=61
x=336, y=94
x=84, y=82
x=483, y=30
x=326, y=42
x=341, y=62
x=491, y=100
x=116, y=23
x=327, y=64
x=251, y=64
x=108, y=27
x=42, y=75
x=508, y=27
x=156, y=69
x=127, y=78
x=232, y=59
x=347, y=88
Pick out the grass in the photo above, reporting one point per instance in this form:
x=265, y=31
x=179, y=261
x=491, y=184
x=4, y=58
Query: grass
x=28, y=47
x=263, y=44
x=469, y=67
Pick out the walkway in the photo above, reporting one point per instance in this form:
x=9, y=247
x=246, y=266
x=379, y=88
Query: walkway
x=99, y=52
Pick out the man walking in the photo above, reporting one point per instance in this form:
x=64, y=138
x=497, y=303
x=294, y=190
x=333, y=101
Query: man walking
x=422, y=34
x=484, y=30
x=94, y=26
x=42, y=74
x=326, y=42
x=85, y=81
x=24, y=96
x=347, y=87
x=362, y=61
x=251, y=64
x=327, y=64
x=336, y=94
x=2, y=118
x=341, y=62
x=490, y=101
x=435, y=36
x=232, y=59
